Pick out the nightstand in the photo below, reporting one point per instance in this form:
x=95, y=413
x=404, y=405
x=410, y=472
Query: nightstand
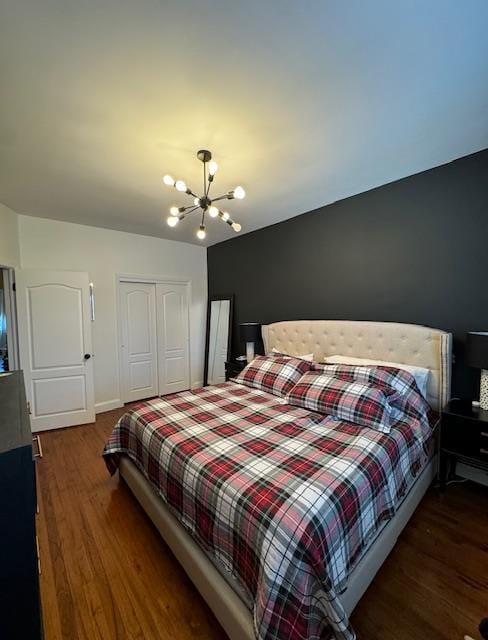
x=464, y=437
x=233, y=368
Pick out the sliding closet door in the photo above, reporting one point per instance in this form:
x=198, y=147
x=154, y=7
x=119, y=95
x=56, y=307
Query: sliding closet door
x=173, y=338
x=139, y=374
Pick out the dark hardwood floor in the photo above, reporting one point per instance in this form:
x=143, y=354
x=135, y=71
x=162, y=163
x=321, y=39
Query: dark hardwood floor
x=106, y=573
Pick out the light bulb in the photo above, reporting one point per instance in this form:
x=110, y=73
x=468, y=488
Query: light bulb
x=174, y=211
x=172, y=221
x=213, y=212
x=169, y=180
x=225, y=216
x=196, y=202
x=236, y=226
x=201, y=233
x=212, y=167
x=239, y=192
x=180, y=185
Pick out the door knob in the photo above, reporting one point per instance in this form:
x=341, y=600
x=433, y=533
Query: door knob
x=87, y=356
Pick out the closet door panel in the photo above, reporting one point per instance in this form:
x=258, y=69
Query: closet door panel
x=139, y=374
x=173, y=338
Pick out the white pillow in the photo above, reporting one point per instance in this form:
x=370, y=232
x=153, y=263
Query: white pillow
x=308, y=356
x=421, y=374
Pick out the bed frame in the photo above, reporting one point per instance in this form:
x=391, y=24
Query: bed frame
x=403, y=343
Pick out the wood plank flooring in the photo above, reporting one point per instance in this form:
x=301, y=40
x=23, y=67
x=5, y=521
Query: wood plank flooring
x=107, y=575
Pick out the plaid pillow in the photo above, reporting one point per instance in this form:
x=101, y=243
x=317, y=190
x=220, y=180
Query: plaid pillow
x=353, y=401
x=387, y=378
x=275, y=374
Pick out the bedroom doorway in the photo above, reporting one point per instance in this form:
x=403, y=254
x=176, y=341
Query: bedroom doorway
x=8, y=322
x=9, y=348
x=154, y=338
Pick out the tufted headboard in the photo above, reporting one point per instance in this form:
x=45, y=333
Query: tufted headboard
x=404, y=343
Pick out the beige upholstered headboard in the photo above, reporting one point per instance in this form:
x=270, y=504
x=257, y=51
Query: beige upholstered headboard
x=404, y=343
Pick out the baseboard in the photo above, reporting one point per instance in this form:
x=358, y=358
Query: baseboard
x=108, y=405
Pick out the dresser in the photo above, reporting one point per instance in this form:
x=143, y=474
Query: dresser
x=20, y=606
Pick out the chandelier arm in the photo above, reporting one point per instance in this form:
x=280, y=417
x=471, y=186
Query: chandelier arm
x=209, y=184
x=221, y=216
x=224, y=197
x=192, y=209
x=186, y=210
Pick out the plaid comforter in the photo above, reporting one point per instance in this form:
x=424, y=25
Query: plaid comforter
x=283, y=499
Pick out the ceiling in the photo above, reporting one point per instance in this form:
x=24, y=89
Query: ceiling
x=302, y=103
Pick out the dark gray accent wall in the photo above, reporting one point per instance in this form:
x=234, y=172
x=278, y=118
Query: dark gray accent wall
x=415, y=250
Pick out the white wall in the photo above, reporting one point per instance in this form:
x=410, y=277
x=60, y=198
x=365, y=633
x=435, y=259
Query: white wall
x=9, y=237
x=49, y=244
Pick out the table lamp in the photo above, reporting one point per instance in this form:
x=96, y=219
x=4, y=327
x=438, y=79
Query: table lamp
x=477, y=357
x=250, y=333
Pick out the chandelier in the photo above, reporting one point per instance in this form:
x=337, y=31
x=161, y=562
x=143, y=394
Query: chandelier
x=203, y=204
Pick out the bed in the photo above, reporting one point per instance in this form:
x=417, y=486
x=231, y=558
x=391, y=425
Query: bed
x=408, y=344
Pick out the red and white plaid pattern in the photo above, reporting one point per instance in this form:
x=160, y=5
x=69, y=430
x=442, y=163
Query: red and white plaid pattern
x=356, y=402
x=407, y=403
x=276, y=374
x=386, y=378
x=283, y=500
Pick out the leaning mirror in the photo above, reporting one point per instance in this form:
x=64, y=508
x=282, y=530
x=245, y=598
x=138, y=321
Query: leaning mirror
x=218, y=338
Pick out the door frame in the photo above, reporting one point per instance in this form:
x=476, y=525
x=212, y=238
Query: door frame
x=148, y=279
x=11, y=312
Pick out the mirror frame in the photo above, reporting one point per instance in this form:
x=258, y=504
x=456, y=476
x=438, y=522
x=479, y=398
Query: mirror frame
x=230, y=298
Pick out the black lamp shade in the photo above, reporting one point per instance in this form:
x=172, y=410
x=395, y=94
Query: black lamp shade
x=477, y=349
x=250, y=331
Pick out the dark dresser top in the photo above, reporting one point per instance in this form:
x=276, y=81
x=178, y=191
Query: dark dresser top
x=464, y=409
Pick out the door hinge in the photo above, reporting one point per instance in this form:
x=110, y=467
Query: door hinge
x=14, y=287
x=29, y=408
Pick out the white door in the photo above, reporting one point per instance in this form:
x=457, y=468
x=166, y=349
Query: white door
x=56, y=347
x=139, y=358
x=173, y=338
